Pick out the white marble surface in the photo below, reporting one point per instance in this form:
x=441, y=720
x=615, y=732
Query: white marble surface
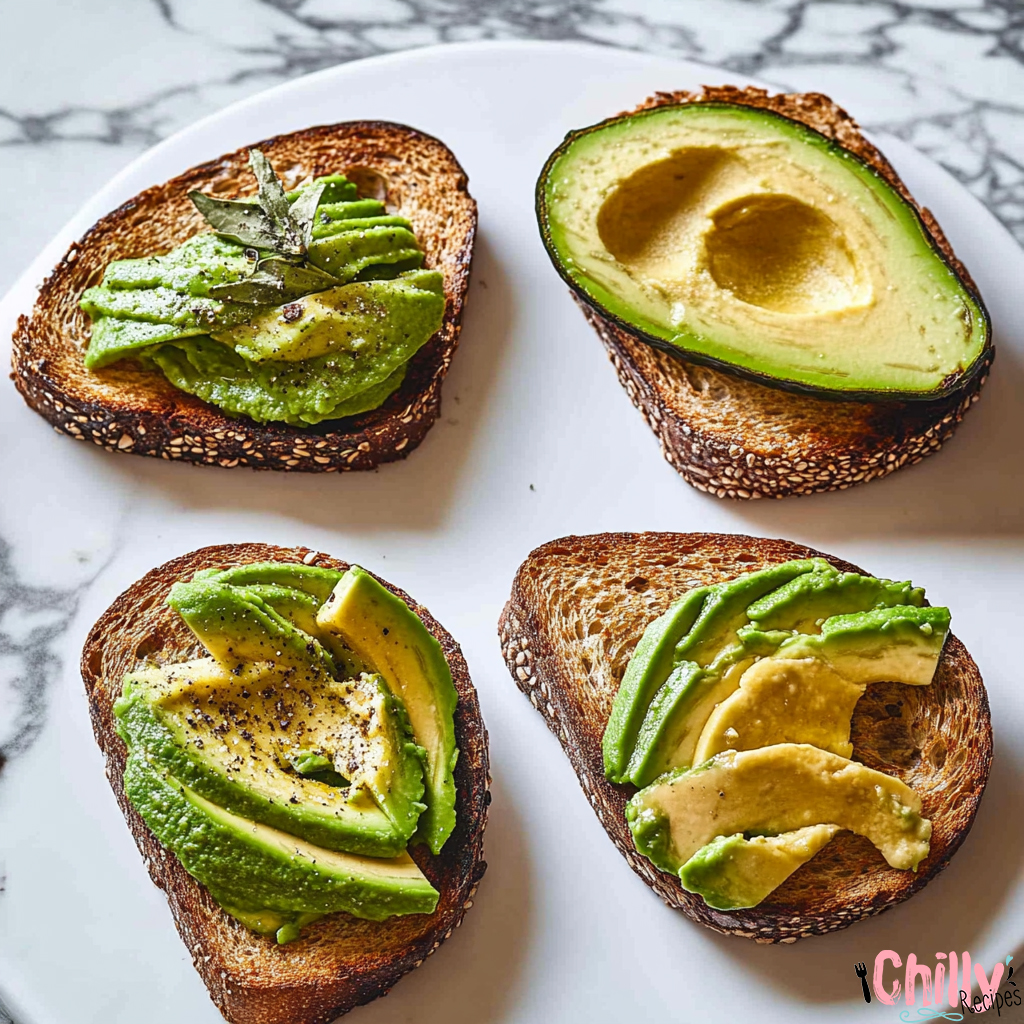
x=84, y=87
x=945, y=75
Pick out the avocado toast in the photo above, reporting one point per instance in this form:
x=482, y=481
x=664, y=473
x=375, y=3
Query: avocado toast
x=131, y=406
x=765, y=421
x=339, y=961
x=578, y=608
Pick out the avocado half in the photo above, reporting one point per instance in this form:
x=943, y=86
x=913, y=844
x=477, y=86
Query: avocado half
x=734, y=236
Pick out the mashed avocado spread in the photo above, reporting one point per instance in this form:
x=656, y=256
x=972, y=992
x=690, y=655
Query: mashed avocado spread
x=297, y=307
x=290, y=768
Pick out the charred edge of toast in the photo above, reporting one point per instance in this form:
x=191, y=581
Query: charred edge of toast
x=537, y=671
x=732, y=465
x=139, y=626
x=722, y=464
x=183, y=428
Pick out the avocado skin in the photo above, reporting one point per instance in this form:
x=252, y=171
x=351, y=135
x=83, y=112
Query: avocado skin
x=954, y=384
x=371, y=833
x=383, y=631
x=241, y=873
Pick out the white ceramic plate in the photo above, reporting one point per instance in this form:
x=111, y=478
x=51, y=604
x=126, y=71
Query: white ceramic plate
x=537, y=440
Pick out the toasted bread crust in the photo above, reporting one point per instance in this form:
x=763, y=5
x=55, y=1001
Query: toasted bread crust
x=129, y=408
x=577, y=609
x=736, y=438
x=341, y=961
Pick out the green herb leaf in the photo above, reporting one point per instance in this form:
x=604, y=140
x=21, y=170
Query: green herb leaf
x=275, y=203
x=303, y=212
x=239, y=221
x=275, y=280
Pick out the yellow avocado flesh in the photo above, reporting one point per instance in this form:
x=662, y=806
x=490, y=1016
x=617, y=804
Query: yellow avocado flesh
x=385, y=633
x=772, y=790
x=742, y=236
x=783, y=701
x=733, y=872
x=256, y=722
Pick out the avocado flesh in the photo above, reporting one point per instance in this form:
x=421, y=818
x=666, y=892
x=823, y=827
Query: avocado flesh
x=733, y=873
x=698, y=629
x=807, y=690
x=386, y=634
x=772, y=790
x=901, y=644
x=241, y=740
x=790, y=701
x=872, y=634
x=740, y=238
x=264, y=872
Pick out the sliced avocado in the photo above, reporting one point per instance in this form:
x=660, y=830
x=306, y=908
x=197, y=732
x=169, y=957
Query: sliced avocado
x=706, y=663
x=802, y=603
x=349, y=253
x=783, y=701
x=733, y=872
x=236, y=627
x=649, y=666
x=277, y=750
x=387, y=634
x=901, y=644
x=725, y=610
x=672, y=727
x=260, y=870
x=293, y=590
x=382, y=321
x=772, y=790
x=736, y=237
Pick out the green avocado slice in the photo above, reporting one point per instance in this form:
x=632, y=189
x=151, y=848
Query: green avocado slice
x=648, y=669
x=388, y=635
x=736, y=237
x=901, y=644
x=251, y=744
x=733, y=872
x=237, y=628
x=803, y=603
x=705, y=661
x=772, y=790
x=260, y=870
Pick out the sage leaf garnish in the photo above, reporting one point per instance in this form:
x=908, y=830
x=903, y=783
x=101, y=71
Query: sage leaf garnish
x=275, y=203
x=303, y=212
x=275, y=233
x=274, y=281
x=238, y=221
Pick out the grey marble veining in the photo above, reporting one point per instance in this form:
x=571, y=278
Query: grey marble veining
x=88, y=86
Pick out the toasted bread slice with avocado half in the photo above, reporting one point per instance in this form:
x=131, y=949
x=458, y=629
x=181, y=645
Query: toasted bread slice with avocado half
x=129, y=408
x=736, y=438
x=340, y=961
x=578, y=607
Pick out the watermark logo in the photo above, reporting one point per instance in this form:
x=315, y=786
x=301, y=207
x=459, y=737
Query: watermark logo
x=947, y=989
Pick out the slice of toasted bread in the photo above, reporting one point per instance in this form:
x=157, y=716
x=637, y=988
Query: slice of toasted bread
x=130, y=408
x=578, y=607
x=341, y=961
x=735, y=438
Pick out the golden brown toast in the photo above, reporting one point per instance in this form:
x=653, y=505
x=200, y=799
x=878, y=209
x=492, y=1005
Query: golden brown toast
x=736, y=438
x=127, y=407
x=578, y=607
x=341, y=961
